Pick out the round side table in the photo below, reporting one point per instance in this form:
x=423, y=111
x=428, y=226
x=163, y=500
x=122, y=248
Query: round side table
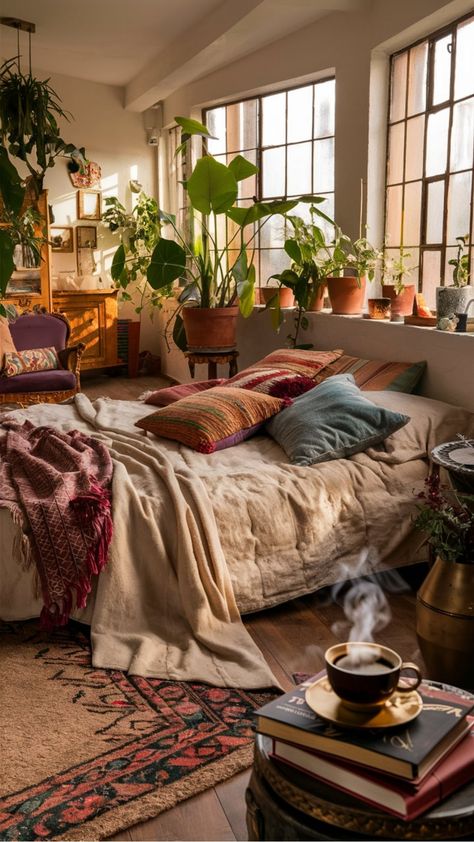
x=283, y=803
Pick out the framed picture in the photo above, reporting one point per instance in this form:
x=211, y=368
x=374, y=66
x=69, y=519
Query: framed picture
x=62, y=238
x=88, y=204
x=86, y=237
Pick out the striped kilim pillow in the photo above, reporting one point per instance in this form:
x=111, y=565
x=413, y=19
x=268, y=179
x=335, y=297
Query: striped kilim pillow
x=291, y=361
x=376, y=375
x=278, y=382
x=212, y=420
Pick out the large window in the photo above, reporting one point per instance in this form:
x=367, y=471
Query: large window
x=429, y=194
x=289, y=135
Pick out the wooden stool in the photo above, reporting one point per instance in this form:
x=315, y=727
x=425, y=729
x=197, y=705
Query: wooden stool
x=213, y=359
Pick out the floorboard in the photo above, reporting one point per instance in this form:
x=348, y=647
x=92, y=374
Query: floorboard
x=292, y=637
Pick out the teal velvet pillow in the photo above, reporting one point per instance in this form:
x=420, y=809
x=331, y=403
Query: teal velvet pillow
x=332, y=421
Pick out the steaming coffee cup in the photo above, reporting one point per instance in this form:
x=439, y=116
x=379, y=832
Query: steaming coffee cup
x=365, y=675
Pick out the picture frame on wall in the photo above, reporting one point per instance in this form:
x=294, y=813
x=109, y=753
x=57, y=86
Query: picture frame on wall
x=86, y=237
x=61, y=238
x=88, y=204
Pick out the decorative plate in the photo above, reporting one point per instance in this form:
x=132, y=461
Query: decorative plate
x=457, y=456
x=399, y=709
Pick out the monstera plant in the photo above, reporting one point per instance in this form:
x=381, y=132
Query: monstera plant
x=215, y=268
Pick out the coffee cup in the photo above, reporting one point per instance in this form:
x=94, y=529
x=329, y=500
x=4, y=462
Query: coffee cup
x=365, y=675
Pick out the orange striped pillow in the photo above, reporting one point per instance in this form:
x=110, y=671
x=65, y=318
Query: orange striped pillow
x=295, y=361
x=214, y=419
x=376, y=375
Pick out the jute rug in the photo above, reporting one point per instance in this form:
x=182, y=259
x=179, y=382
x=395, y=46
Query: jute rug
x=86, y=753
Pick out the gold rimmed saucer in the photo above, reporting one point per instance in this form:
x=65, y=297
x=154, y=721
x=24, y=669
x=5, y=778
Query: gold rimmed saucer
x=399, y=709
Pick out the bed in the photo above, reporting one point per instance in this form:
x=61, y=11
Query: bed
x=282, y=530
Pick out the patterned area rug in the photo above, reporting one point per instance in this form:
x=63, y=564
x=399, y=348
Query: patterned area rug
x=86, y=753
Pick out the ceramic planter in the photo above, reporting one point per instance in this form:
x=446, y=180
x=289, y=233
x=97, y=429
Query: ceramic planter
x=317, y=299
x=452, y=300
x=445, y=622
x=285, y=294
x=347, y=295
x=401, y=304
x=212, y=328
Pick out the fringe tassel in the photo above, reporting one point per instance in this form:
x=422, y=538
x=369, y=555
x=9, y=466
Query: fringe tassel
x=93, y=512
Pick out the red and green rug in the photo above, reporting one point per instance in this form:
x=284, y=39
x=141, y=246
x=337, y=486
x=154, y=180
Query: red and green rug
x=86, y=753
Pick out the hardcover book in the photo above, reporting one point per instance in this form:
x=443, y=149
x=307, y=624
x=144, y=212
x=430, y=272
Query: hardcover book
x=401, y=798
x=408, y=752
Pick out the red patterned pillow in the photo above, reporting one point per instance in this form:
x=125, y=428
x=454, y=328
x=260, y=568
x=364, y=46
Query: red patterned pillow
x=36, y=359
x=290, y=361
x=278, y=382
x=163, y=397
x=213, y=419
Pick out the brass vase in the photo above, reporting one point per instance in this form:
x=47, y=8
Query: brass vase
x=445, y=623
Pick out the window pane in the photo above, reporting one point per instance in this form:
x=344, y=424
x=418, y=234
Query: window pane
x=398, y=87
x=242, y=125
x=417, y=79
x=412, y=215
x=442, y=69
x=273, y=172
x=437, y=142
x=274, y=119
x=415, y=143
x=324, y=165
x=462, y=135
x=396, y=141
x=451, y=252
x=459, y=206
x=299, y=169
x=272, y=261
x=464, y=75
x=215, y=122
x=434, y=212
x=394, y=215
x=300, y=114
x=431, y=275
x=248, y=186
x=324, y=107
x=272, y=232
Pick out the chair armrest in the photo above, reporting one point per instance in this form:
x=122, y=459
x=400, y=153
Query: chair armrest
x=70, y=357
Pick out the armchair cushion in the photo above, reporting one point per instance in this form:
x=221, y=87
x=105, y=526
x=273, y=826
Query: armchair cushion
x=39, y=330
x=36, y=359
x=39, y=381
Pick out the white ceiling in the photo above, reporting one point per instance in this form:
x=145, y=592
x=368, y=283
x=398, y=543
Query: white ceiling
x=152, y=47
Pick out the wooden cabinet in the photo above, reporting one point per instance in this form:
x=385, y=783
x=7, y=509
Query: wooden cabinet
x=93, y=317
x=30, y=285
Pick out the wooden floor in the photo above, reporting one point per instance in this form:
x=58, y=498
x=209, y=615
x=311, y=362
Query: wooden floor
x=293, y=638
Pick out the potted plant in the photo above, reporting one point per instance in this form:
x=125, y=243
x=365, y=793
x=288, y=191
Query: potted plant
x=355, y=263
x=453, y=299
x=445, y=601
x=29, y=132
x=215, y=269
x=401, y=294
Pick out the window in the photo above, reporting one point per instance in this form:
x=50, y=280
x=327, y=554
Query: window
x=289, y=135
x=429, y=192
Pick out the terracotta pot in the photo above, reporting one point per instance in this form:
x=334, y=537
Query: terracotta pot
x=402, y=304
x=445, y=622
x=287, y=299
x=347, y=295
x=210, y=328
x=317, y=301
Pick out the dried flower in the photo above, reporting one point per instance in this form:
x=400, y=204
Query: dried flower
x=447, y=517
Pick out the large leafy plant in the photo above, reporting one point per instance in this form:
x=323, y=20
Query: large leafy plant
x=216, y=267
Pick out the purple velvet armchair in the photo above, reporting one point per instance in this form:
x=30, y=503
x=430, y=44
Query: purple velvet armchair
x=43, y=330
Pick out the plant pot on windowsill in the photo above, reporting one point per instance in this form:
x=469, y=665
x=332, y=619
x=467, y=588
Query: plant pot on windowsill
x=285, y=295
x=452, y=300
x=316, y=302
x=210, y=328
x=347, y=295
x=401, y=303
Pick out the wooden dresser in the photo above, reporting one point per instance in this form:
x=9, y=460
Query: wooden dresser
x=92, y=314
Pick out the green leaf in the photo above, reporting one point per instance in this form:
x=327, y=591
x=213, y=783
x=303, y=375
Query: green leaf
x=212, y=186
x=276, y=316
x=192, y=127
x=241, y=168
x=293, y=250
x=288, y=278
x=6, y=260
x=167, y=263
x=118, y=263
x=246, y=292
x=10, y=184
x=240, y=268
x=179, y=334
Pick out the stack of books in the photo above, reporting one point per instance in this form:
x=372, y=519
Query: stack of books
x=404, y=771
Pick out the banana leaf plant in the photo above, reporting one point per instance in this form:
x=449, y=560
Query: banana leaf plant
x=216, y=268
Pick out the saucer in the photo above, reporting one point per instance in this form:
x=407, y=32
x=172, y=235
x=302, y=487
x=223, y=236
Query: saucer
x=399, y=708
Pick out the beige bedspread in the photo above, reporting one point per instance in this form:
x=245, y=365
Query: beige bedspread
x=196, y=535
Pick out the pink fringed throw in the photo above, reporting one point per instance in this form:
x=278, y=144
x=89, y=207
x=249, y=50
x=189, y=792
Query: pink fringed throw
x=56, y=485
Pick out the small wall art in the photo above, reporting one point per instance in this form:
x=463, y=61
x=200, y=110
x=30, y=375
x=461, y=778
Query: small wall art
x=62, y=239
x=88, y=204
x=86, y=237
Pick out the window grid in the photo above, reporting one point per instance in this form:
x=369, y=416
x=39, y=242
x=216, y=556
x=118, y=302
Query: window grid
x=427, y=253
x=269, y=256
